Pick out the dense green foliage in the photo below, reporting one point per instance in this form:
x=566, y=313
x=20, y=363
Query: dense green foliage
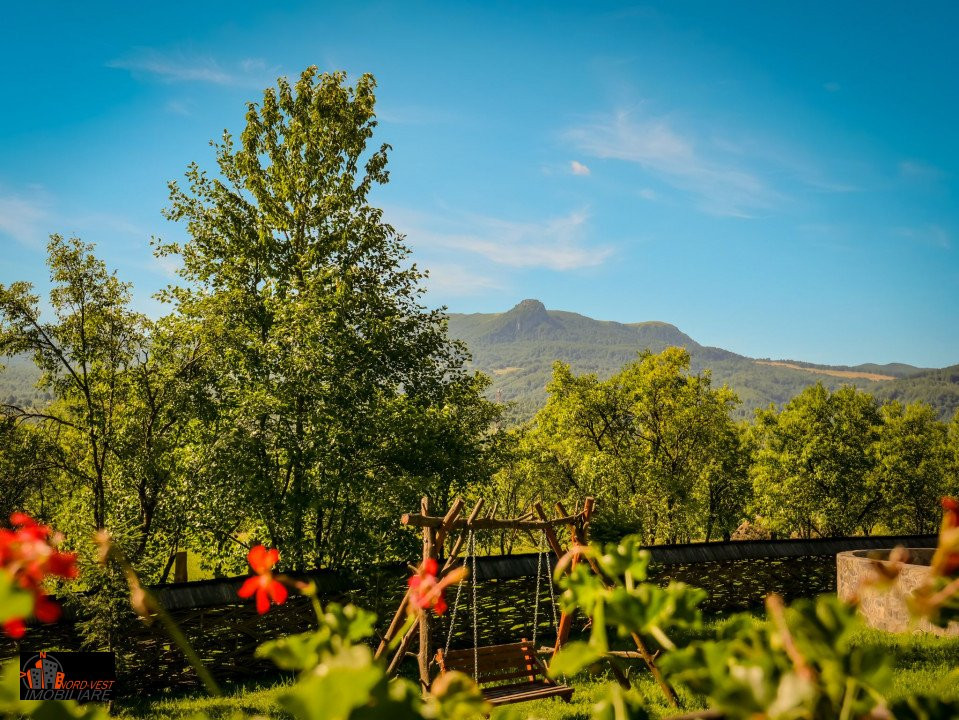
x=937, y=388
x=920, y=662
x=657, y=445
x=296, y=394
x=103, y=450
x=339, y=400
x=654, y=443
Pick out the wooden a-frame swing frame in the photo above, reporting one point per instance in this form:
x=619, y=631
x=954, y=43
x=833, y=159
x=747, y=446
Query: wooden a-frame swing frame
x=437, y=530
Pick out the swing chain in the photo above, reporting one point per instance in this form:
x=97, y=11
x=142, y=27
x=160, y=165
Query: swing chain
x=456, y=602
x=475, y=619
x=552, y=598
x=539, y=573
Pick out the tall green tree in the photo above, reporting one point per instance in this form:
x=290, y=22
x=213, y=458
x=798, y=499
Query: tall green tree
x=338, y=397
x=725, y=488
x=107, y=448
x=652, y=442
x=914, y=467
x=83, y=354
x=814, y=462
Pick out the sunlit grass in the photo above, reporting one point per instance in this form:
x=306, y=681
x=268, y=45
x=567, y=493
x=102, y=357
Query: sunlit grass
x=924, y=663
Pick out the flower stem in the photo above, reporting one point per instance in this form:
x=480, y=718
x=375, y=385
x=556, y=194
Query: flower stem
x=146, y=603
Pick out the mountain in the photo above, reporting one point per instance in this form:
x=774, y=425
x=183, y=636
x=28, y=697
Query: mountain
x=517, y=349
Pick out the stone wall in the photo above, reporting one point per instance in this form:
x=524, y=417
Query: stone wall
x=886, y=609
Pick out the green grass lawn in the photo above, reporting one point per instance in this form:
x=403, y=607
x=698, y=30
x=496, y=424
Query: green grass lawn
x=923, y=663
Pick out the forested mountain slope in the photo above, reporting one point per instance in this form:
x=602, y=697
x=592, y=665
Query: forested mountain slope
x=517, y=349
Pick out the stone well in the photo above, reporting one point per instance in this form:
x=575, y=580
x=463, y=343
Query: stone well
x=886, y=609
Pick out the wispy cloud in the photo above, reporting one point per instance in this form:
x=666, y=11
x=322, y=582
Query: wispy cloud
x=932, y=234
x=832, y=86
x=916, y=170
x=555, y=244
x=181, y=67
x=22, y=217
x=577, y=168
x=458, y=280
x=649, y=194
x=178, y=107
x=719, y=183
x=30, y=217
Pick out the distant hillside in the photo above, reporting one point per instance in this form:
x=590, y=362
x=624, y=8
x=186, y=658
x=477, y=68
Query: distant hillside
x=939, y=388
x=517, y=349
x=18, y=381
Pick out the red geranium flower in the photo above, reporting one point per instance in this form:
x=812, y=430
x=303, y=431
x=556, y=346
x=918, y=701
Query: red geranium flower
x=426, y=589
x=28, y=554
x=951, y=515
x=950, y=524
x=263, y=584
x=15, y=628
x=45, y=610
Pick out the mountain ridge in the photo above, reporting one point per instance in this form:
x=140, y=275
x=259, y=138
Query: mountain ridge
x=518, y=347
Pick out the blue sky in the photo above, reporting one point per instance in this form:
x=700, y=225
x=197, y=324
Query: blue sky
x=778, y=179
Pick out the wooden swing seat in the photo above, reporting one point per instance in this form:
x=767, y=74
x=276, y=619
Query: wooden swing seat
x=498, y=663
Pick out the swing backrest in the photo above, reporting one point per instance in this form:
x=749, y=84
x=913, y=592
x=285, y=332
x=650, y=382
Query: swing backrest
x=496, y=663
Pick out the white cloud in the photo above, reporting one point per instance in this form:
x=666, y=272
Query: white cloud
x=452, y=279
x=179, y=67
x=23, y=217
x=554, y=244
x=649, y=194
x=167, y=265
x=31, y=218
x=832, y=86
x=577, y=168
x=720, y=185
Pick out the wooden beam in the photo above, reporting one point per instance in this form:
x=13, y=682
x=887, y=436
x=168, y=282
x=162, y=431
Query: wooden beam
x=424, y=652
x=447, y=523
x=423, y=520
x=551, y=538
x=403, y=648
x=566, y=619
x=477, y=508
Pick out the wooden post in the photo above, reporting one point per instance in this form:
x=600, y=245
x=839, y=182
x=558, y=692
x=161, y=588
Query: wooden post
x=400, y=615
x=566, y=619
x=179, y=568
x=403, y=648
x=477, y=509
x=424, y=652
x=448, y=519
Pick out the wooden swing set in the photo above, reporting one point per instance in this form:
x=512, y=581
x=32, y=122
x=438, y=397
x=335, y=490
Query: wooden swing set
x=512, y=672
